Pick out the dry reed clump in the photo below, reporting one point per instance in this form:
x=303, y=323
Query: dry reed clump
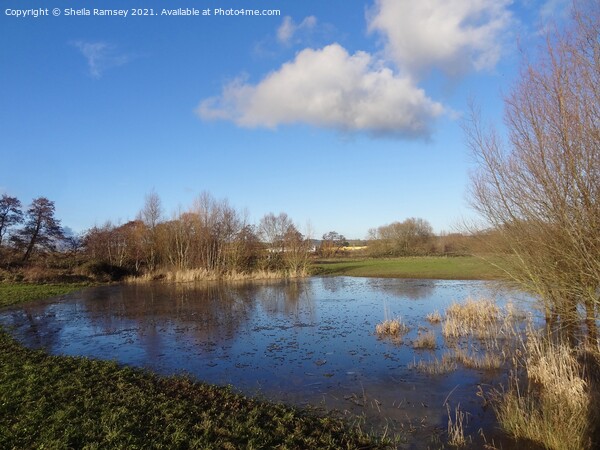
x=479, y=318
x=436, y=366
x=425, y=341
x=552, y=405
x=392, y=327
x=486, y=361
x=434, y=317
x=193, y=275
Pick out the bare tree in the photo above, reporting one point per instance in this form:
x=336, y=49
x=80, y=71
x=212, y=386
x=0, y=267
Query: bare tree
x=219, y=224
x=181, y=234
x=296, y=254
x=540, y=191
x=10, y=214
x=273, y=229
x=151, y=215
x=152, y=211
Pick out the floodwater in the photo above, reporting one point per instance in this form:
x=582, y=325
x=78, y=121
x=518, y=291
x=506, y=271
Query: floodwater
x=302, y=342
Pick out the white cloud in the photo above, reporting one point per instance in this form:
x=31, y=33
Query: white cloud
x=100, y=56
x=329, y=88
x=453, y=35
x=288, y=29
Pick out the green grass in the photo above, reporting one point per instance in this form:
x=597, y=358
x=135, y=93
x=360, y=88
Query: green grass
x=63, y=402
x=15, y=293
x=433, y=267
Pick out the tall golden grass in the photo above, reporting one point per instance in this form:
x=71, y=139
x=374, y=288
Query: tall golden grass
x=478, y=318
x=456, y=433
x=434, y=317
x=434, y=366
x=392, y=327
x=425, y=341
x=479, y=361
x=193, y=275
x=548, y=399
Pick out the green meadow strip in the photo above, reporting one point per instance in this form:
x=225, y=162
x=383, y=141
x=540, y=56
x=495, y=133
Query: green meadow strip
x=431, y=267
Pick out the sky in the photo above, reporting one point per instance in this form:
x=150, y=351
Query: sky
x=346, y=115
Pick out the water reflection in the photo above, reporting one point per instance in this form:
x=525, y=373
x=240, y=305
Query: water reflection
x=299, y=341
x=412, y=289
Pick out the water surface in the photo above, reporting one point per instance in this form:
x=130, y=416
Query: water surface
x=303, y=342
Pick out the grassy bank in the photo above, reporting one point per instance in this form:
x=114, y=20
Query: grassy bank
x=433, y=267
x=64, y=402
x=15, y=293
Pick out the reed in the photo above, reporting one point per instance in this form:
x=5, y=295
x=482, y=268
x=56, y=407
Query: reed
x=434, y=317
x=435, y=366
x=392, y=327
x=195, y=275
x=425, y=341
x=548, y=400
x=456, y=432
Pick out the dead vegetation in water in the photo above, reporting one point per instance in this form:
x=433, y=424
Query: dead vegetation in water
x=476, y=331
x=478, y=360
x=549, y=399
x=425, y=341
x=393, y=328
x=456, y=432
x=434, y=317
x=435, y=366
x=195, y=275
x=477, y=318
x=553, y=387
x=481, y=319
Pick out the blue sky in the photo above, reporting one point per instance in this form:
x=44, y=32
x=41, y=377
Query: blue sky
x=340, y=113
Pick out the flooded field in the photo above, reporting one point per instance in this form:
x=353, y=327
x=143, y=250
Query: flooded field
x=301, y=342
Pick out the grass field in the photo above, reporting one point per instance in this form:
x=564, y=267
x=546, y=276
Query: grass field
x=433, y=267
x=15, y=293
x=63, y=402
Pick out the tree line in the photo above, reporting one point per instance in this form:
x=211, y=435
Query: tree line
x=210, y=235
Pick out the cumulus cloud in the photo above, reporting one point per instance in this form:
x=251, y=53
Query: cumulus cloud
x=100, y=56
x=329, y=88
x=453, y=35
x=288, y=29
x=360, y=92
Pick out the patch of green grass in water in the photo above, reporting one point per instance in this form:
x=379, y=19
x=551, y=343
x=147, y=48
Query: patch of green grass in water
x=15, y=293
x=64, y=402
x=432, y=267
